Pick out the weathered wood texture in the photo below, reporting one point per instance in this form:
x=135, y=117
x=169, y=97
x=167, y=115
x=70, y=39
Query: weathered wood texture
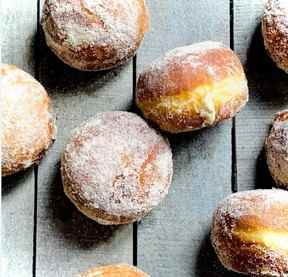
x=174, y=239
x=18, y=21
x=68, y=242
x=268, y=94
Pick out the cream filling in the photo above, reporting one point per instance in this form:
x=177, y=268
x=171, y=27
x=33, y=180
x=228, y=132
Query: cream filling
x=205, y=100
x=271, y=239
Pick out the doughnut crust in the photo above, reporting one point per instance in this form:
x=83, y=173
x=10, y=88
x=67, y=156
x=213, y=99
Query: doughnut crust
x=116, y=168
x=94, y=34
x=27, y=124
x=275, y=32
x=250, y=232
x=276, y=146
x=117, y=270
x=192, y=87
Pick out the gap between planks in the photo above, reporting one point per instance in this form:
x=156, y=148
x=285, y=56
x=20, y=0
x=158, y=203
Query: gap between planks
x=36, y=72
x=135, y=224
x=234, y=184
x=35, y=220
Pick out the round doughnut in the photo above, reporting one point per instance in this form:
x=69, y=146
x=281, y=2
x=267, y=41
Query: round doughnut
x=275, y=31
x=116, y=168
x=27, y=124
x=276, y=146
x=250, y=232
x=117, y=270
x=94, y=34
x=192, y=87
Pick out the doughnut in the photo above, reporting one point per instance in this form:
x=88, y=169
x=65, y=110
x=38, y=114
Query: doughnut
x=276, y=146
x=94, y=34
x=27, y=124
x=117, y=270
x=192, y=87
x=275, y=32
x=115, y=168
x=250, y=232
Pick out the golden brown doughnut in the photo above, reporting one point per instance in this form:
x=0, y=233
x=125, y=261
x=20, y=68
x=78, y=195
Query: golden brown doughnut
x=276, y=146
x=27, y=125
x=116, y=168
x=94, y=34
x=275, y=31
x=192, y=87
x=250, y=232
x=117, y=270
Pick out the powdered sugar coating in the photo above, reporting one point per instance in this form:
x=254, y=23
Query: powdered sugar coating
x=193, y=50
x=117, y=270
x=277, y=149
x=27, y=124
x=94, y=34
x=116, y=168
x=275, y=31
x=190, y=54
x=250, y=232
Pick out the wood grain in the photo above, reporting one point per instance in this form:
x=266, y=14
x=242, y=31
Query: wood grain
x=174, y=239
x=268, y=94
x=18, y=23
x=67, y=241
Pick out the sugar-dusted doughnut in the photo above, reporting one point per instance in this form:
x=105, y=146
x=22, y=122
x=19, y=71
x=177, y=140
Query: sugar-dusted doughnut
x=192, y=87
x=116, y=270
x=116, y=168
x=94, y=34
x=27, y=124
x=275, y=31
x=276, y=146
x=250, y=232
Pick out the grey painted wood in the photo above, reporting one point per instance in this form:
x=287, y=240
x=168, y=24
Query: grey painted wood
x=174, y=239
x=17, y=224
x=67, y=241
x=268, y=94
x=18, y=21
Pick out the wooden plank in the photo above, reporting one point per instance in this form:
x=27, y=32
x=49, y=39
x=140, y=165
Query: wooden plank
x=268, y=94
x=67, y=241
x=174, y=239
x=18, y=22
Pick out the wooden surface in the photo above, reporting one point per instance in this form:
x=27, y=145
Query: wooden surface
x=18, y=23
x=174, y=239
x=268, y=95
